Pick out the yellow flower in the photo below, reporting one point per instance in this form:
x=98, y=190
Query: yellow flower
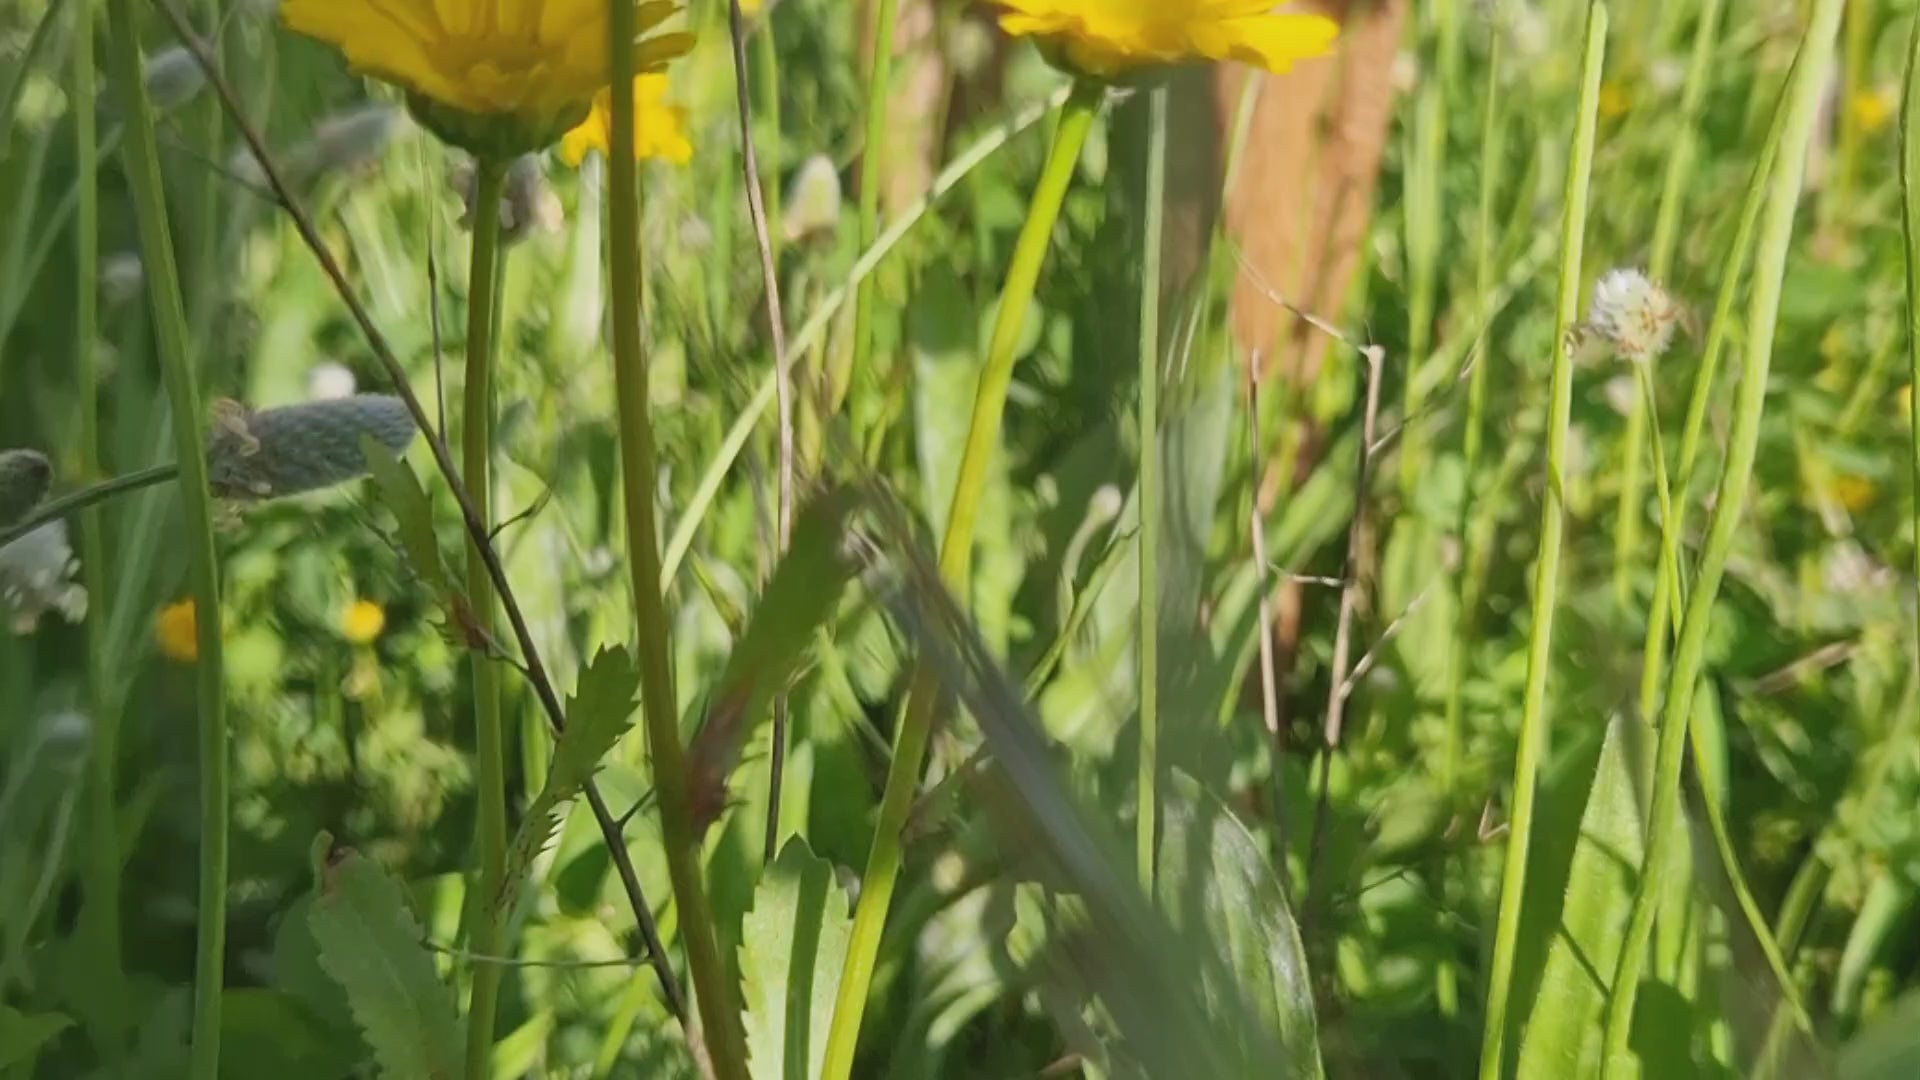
x=362, y=622
x=1615, y=101
x=1871, y=109
x=1107, y=38
x=176, y=632
x=497, y=77
x=1856, y=493
x=659, y=129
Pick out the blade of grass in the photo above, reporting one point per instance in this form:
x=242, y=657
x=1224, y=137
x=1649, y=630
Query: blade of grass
x=714, y=992
x=1770, y=256
x=872, y=165
x=1910, y=222
x=1534, y=719
x=1150, y=523
x=100, y=914
x=956, y=563
x=142, y=160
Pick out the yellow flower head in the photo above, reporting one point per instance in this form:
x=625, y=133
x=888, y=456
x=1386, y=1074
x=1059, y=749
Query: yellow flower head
x=1107, y=38
x=659, y=129
x=497, y=77
x=1872, y=109
x=176, y=632
x=362, y=622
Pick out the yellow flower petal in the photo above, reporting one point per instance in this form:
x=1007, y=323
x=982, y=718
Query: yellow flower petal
x=1111, y=37
x=362, y=622
x=529, y=68
x=659, y=128
x=176, y=632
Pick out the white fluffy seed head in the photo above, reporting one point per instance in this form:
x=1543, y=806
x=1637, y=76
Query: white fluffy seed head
x=1635, y=315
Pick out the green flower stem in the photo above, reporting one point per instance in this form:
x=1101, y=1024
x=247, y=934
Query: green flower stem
x=956, y=557
x=1493, y=142
x=1150, y=523
x=714, y=991
x=1663, y=494
x=872, y=155
x=1533, y=718
x=141, y=156
x=1424, y=213
x=1770, y=256
x=487, y=934
x=100, y=915
x=1910, y=220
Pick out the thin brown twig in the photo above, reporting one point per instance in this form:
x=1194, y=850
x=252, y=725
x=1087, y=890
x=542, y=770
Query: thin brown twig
x=783, y=379
x=1269, y=680
x=443, y=459
x=1349, y=607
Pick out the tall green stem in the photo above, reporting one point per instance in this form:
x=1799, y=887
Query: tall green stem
x=487, y=934
x=1533, y=717
x=956, y=557
x=1155, y=212
x=101, y=913
x=141, y=155
x=872, y=161
x=1910, y=220
x=1424, y=214
x=720, y=1017
x=1763, y=308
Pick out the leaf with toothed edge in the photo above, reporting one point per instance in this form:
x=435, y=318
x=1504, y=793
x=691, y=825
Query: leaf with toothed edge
x=371, y=944
x=412, y=514
x=794, y=945
x=598, y=714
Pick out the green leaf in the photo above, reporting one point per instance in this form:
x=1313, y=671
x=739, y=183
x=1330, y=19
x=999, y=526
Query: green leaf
x=799, y=600
x=371, y=944
x=23, y=1034
x=1888, y=1048
x=795, y=943
x=1562, y=1036
x=598, y=714
x=1218, y=888
x=412, y=513
x=272, y=1033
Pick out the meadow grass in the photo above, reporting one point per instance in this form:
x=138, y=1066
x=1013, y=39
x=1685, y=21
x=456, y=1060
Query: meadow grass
x=926, y=739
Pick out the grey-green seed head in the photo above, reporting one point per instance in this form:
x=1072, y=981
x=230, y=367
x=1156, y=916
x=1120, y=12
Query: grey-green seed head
x=253, y=456
x=24, y=478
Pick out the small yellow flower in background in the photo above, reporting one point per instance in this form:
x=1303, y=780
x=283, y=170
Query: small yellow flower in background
x=659, y=129
x=1872, y=109
x=1856, y=493
x=1107, y=38
x=495, y=77
x=1615, y=102
x=176, y=632
x=362, y=622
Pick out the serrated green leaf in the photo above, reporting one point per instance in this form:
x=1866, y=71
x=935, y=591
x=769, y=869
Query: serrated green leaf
x=23, y=1034
x=795, y=943
x=1217, y=886
x=412, y=513
x=1562, y=1036
x=799, y=600
x=371, y=944
x=598, y=714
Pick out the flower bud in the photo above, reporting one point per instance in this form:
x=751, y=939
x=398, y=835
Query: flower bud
x=299, y=448
x=24, y=478
x=1633, y=314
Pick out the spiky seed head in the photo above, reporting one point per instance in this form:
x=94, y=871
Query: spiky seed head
x=24, y=478
x=273, y=453
x=1633, y=314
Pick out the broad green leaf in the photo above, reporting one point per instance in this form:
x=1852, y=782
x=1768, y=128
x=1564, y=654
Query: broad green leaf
x=1562, y=1036
x=1218, y=888
x=23, y=1034
x=273, y=1033
x=799, y=600
x=412, y=513
x=598, y=714
x=795, y=941
x=1888, y=1048
x=371, y=944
